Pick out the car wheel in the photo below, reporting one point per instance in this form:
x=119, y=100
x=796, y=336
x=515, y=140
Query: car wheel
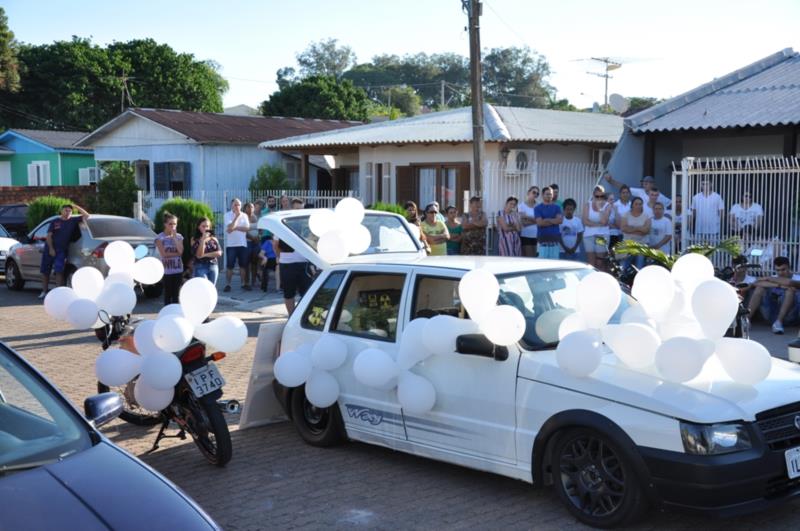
x=316, y=426
x=596, y=480
x=14, y=279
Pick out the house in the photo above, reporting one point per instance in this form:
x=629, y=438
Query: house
x=33, y=157
x=176, y=151
x=752, y=112
x=429, y=157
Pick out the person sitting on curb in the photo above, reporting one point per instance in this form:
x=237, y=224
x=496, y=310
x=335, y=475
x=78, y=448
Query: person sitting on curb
x=777, y=296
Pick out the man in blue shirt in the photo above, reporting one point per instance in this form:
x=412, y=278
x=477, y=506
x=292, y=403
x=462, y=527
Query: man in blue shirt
x=59, y=236
x=548, y=217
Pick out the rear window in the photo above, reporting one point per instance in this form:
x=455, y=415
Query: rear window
x=118, y=228
x=389, y=234
x=14, y=211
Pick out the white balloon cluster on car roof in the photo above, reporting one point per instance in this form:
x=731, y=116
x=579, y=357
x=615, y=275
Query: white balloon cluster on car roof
x=340, y=230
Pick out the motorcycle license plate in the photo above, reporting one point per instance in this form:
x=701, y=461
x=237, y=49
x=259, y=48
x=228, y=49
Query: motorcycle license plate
x=205, y=379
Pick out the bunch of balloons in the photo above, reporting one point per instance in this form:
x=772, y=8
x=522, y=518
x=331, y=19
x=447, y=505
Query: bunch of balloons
x=157, y=342
x=676, y=331
x=502, y=324
x=340, y=231
x=311, y=364
x=90, y=293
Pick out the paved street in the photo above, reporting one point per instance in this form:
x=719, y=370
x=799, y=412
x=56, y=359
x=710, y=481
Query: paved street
x=276, y=482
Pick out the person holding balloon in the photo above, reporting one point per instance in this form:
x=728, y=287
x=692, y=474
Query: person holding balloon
x=170, y=248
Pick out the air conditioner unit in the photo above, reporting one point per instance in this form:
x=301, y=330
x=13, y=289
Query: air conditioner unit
x=601, y=158
x=521, y=163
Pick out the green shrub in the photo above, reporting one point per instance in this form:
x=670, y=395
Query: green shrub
x=188, y=212
x=43, y=207
x=116, y=191
x=389, y=207
x=270, y=177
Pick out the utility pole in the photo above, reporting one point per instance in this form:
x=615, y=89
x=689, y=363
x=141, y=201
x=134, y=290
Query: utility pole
x=609, y=66
x=441, y=95
x=474, y=9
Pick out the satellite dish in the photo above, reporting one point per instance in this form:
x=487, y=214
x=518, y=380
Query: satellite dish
x=619, y=103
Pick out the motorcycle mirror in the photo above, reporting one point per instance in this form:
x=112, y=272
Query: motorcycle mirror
x=104, y=317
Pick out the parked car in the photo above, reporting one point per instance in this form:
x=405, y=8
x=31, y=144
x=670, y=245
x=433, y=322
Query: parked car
x=15, y=219
x=56, y=467
x=6, y=241
x=24, y=260
x=611, y=445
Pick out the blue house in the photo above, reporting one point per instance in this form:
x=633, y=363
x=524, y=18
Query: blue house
x=32, y=157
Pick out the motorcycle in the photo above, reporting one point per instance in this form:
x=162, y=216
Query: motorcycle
x=740, y=327
x=194, y=408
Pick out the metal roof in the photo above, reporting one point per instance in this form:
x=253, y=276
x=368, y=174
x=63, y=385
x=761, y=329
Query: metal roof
x=54, y=139
x=764, y=93
x=501, y=124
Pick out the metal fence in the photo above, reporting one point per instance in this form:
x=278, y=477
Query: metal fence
x=756, y=198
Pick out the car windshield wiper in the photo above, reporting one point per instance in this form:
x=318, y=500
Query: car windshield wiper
x=7, y=469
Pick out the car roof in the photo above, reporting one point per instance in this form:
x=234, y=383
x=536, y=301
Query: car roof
x=498, y=265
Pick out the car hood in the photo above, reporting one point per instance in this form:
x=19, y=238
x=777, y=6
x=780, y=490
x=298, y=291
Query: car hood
x=711, y=397
x=6, y=243
x=99, y=488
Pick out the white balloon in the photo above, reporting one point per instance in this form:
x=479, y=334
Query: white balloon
x=172, y=333
x=715, y=303
x=478, y=291
x=579, y=354
x=171, y=309
x=654, y=289
x=598, y=297
x=681, y=327
x=293, y=368
x=119, y=276
x=328, y=353
x=117, y=299
x=322, y=221
x=548, y=325
x=503, y=325
x=87, y=283
x=82, y=313
x=412, y=339
x=332, y=247
x=119, y=254
x=634, y=343
x=439, y=334
x=115, y=367
x=226, y=333
x=690, y=270
x=322, y=389
x=574, y=322
x=148, y=270
x=57, y=301
x=161, y=370
x=415, y=393
x=374, y=367
x=198, y=298
x=358, y=239
x=745, y=361
x=349, y=211
x=680, y=359
x=152, y=399
x=636, y=314
x=143, y=338
x=140, y=251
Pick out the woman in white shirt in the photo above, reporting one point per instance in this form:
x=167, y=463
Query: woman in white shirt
x=528, y=220
x=746, y=217
x=636, y=227
x=620, y=207
x=596, y=232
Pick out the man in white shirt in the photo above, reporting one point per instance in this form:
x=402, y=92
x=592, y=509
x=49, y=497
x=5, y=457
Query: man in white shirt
x=660, y=230
x=647, y=182
x=528, y=219
x=777, y=296
x=707, y=211
x=236, y=226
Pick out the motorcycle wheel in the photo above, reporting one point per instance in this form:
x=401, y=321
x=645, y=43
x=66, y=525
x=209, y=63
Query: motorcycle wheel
x=131, y=412
x=206, y=424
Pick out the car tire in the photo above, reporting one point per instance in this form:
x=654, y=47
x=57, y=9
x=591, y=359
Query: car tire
x=595, y=479
x=14, y=279
x=317, y=426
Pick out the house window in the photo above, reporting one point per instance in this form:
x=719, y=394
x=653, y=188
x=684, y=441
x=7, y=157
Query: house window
x=292, y=168
x=442, y=183
x=39, y=173
x=172, y=176
x=353, y=182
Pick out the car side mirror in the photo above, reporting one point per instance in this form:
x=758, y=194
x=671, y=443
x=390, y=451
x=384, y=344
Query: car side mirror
x=479, y=345
x=102, y=408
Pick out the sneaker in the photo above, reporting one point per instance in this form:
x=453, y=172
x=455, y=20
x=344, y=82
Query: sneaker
x=227, y=288
x=777, y=327
x=43, y=294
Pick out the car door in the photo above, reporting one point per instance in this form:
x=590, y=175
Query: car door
x=474, y=412
x=30, y=253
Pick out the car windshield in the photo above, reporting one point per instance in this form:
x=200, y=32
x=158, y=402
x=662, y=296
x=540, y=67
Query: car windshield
x=4, y=233
x=537, y=292
x=118, y=228
x=35, y=426
x=389, y=234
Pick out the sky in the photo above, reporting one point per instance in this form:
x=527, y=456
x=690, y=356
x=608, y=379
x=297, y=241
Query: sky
x=665, y=48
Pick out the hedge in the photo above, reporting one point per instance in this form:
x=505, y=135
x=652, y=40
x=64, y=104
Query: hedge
x=43, y=207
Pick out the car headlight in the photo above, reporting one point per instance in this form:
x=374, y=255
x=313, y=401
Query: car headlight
x=714, y=439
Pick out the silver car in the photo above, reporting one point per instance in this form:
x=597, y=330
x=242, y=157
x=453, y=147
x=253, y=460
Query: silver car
x=24, y=259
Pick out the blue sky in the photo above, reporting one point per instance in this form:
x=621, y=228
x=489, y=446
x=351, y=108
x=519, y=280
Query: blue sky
x=666, y=47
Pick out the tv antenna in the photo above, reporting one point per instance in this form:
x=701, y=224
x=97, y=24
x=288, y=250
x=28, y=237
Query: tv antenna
x=610, y=64
x=126, y=93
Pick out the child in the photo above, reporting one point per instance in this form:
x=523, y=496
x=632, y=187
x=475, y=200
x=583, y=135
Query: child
x=660, y=229
x=571, y=233
x=267, y=259
x=170, y=247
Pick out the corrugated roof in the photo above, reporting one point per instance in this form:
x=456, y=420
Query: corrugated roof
x=764, y=93
x=54, y=139
x=206, y=127
x=501, y=124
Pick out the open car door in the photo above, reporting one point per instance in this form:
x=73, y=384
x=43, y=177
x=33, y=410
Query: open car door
x=392, y=238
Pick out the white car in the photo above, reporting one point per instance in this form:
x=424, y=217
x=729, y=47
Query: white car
x=611, y=444
x=6, y=241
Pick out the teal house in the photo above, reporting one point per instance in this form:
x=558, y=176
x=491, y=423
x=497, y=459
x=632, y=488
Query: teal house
x=32, y=157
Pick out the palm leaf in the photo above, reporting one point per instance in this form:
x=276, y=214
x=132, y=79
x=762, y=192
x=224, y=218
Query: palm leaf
x=731, y=246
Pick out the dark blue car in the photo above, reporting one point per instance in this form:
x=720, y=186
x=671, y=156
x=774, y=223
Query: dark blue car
x=58, y=472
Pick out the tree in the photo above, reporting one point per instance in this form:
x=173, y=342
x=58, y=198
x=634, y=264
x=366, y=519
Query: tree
x=116, y=191
x=9, y=64
x=269, y=177
x=402, y=98
x=516, y=77
x=639, y=104
x=561, y=105
x=325, y=58
x=318, y=97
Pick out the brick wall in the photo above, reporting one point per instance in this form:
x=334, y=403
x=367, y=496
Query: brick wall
x=26, y=194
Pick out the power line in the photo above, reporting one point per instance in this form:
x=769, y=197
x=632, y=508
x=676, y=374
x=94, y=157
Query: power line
x=520, y=37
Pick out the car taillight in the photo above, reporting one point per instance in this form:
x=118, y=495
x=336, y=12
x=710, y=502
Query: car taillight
x=100, y=250
x=193, y=353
